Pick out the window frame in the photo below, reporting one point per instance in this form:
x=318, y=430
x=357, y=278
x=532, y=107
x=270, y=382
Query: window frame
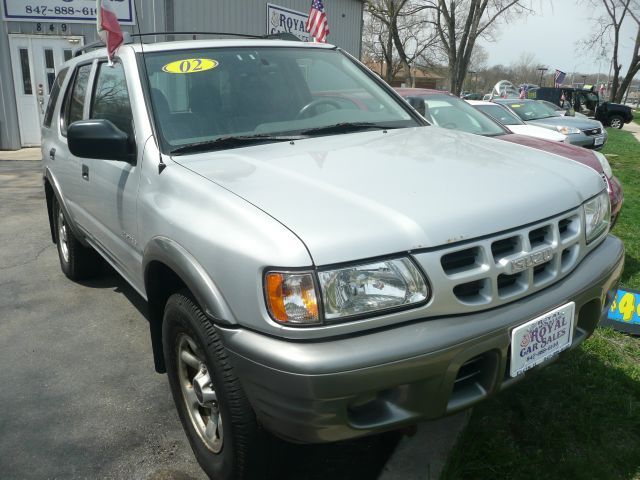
x=54, y=96
x=64, y=109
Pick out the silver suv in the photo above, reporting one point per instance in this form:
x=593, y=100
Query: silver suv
x=319, y=262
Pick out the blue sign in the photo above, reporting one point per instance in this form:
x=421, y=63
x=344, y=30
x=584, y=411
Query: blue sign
x=624, y=313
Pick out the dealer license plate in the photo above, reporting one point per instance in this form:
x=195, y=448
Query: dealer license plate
x=598, y=141
x=541, y=338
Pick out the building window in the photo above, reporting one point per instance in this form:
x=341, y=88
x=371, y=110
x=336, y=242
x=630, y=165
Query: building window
x=26, y=73
x=49, y=68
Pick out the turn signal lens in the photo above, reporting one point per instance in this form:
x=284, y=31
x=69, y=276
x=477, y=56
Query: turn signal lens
x=291, y=297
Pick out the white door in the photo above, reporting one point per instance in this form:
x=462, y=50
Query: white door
x=35, y=60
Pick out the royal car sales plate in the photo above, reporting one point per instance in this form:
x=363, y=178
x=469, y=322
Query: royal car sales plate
x=598, y=141
x=541, y=338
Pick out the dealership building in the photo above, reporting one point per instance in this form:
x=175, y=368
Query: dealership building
x=36, y=37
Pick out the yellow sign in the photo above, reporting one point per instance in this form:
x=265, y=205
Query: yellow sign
x=190, y=65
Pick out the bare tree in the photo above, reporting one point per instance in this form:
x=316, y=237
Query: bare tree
x=525, y=69
x=634, y=64
x=459, y=24
x=608, y=37
x=397, y=34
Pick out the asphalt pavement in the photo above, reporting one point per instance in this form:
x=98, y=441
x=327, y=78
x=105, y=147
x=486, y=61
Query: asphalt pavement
x=79, y=397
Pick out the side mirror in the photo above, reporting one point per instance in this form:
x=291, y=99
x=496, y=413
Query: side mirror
x=418, y=104
x=571, y=113
x=99, y=139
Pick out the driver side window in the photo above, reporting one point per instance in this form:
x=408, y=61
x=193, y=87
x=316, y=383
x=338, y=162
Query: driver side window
x=111, y=98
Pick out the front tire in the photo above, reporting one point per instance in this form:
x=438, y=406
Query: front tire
x=616, y=121
x=215, y=414
x=76, y=261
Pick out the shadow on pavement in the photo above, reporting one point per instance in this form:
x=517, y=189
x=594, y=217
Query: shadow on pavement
x=362, y=458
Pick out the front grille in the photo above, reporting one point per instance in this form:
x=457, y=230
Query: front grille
x=592, y=131
x=460, y=260
x=491, y=271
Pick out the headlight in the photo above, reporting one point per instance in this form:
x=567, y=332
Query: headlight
x=597, y=213
x=371, y=287
x=567, y=130
x=349, y=291
x=604, y=163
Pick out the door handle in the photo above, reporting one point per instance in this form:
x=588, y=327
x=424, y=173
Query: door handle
x=85, y=172
x=52, y=154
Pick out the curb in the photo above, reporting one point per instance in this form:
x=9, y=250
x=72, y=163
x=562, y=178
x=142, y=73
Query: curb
x=423, y=456
x=32, y=154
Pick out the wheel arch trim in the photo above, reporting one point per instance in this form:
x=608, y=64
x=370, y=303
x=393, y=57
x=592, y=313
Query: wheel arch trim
x=193, y=275
x=52, y=182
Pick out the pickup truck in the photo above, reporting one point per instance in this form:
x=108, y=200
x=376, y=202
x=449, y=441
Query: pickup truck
x=318, y=261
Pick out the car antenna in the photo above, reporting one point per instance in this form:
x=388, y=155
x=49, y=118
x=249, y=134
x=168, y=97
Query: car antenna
x=161, y=164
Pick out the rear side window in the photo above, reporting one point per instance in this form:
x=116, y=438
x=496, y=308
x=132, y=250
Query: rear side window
x=53, y=98
x=111, y=98
x=76, y=101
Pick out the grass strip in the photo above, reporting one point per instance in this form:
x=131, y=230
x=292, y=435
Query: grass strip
x=580, y=417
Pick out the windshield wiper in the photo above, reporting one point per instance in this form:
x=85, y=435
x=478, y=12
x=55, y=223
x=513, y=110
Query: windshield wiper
x=346, y=127
x=232, y=142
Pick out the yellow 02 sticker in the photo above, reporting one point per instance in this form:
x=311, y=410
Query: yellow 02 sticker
x=190, y=65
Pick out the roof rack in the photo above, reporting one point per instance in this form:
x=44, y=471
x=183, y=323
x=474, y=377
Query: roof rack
x=129, y=38
x=193, y=34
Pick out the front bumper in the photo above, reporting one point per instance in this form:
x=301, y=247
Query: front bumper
x=324, y=391
x=587, y=141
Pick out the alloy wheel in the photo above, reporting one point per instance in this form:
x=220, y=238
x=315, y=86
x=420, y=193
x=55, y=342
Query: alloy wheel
x=198, y=393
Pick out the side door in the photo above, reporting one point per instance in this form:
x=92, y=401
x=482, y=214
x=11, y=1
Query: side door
x=112, y=185
x=67, y=166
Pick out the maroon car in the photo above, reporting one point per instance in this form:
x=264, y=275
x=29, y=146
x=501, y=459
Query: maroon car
x=447, y=111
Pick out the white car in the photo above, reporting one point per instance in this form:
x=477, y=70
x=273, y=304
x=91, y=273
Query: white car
x=514, y=123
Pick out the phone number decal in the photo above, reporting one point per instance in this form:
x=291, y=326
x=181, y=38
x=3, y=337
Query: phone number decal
x=43, y=10
x=84, y=11
x=625, y=308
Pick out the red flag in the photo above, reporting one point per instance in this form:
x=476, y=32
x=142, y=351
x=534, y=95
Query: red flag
x=108, y=27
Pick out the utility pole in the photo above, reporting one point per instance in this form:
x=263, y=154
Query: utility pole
x=542, y=70
x=471, y=78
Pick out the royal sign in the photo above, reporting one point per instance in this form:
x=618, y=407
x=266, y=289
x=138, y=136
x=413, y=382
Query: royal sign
x=285, y=20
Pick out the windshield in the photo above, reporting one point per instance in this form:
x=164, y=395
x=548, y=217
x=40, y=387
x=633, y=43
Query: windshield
x=450, y=112
x=532, y=110
x=501, y=114
x=263, y=94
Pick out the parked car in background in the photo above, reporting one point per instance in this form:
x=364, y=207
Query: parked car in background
x=582, y=132
x=506, y=117
x=485, y=118
x=586, y=101
x=562, y=111
x=472, y=96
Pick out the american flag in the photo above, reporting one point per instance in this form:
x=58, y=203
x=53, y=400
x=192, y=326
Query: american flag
x=559, y=77
x=317, y=25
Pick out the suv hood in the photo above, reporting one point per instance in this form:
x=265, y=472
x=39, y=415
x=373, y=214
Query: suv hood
x=362, y=195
